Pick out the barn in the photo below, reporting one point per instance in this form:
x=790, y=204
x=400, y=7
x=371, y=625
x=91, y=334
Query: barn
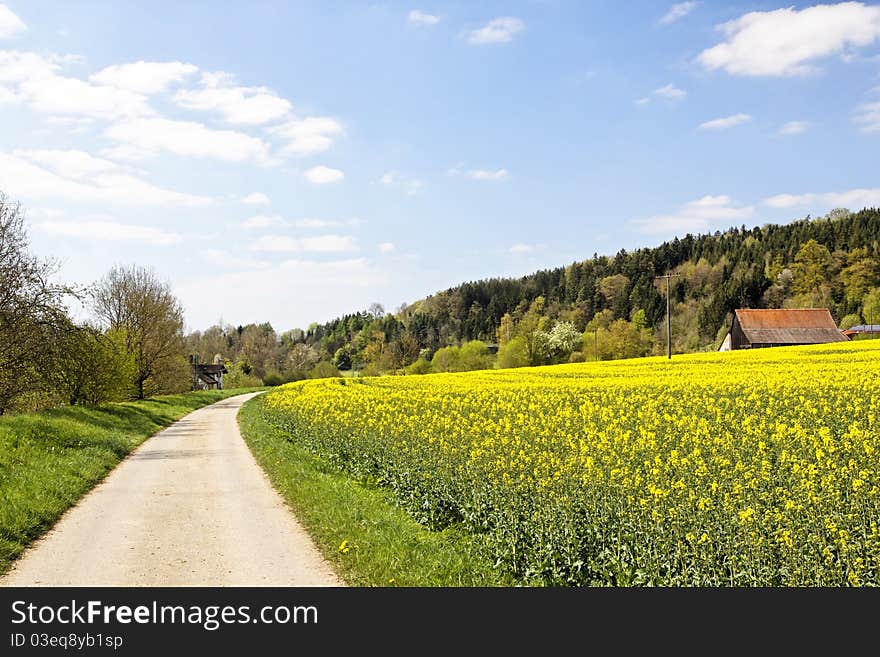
x=207, y=376
x=756, y=328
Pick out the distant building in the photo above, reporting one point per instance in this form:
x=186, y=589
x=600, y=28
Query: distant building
x=756, y=328
x=863, y=329
x=207, y=376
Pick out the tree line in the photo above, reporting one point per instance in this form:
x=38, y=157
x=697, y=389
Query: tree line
x=134, y=344
x=613, y=306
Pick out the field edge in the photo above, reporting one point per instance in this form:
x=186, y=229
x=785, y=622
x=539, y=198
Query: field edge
x=367, y=539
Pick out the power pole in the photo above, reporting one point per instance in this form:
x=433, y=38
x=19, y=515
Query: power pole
x=668, y=320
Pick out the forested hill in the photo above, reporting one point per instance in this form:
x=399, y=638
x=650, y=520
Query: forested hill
x=832, y=261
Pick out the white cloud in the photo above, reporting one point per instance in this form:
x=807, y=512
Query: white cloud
x=140, y=138
x=696, y=216
x=386, y=247
x=868, y=116
x=24, y=178
x=256, y=198
x=725, y=122
x=313, y=134
x=788, y=41
x=321, y=175
x=263, y=221
x=387, y=179
x=62, y=95
x=236, y=104
x=102, y=229
x=144, y=77
x=416, y=17
x=18, y=66
x=498, y=30
x=794, y=127
x=671, y=92
x=34, y=80
x=227, y=260
x=678, y=11
x=853, y=198
x=521, y=249
x=10, y=24
x=318, y=244
x=487, y=174
x=69, y=164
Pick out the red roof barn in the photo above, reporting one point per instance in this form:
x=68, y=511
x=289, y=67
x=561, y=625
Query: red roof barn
x=754, y=328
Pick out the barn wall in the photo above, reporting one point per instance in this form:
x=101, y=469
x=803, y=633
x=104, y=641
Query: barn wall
x=737, y=337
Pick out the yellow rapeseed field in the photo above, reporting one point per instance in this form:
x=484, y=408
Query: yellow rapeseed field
x=743, y=468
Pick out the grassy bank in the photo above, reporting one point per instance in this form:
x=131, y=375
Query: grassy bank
x=369, y=540
x=49, y=460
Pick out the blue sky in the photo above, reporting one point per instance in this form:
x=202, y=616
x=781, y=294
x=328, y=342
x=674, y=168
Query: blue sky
x=291, y=162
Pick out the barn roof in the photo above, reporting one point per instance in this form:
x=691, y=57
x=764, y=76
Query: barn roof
x=789, y=326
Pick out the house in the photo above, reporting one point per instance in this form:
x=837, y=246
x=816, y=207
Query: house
x=868, y=330
x=207, y=376
x=755, y=328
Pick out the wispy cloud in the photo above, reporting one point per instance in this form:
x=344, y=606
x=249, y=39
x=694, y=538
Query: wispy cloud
x=417, y=17
x=853, y=199
x=868, y=117
x=26, y=178
x=725, y=122
x=263, y=221
x=696, y=216
x=794, y=127
x=411, y=186
x=318, y=244
x=669, y=92
x=100, y=229
x=386, y=247
x=498, y=30
x=521, y=249
x=313, y=134
x=678, y=11
x=148, y=137
x=480, y=174
x=237, y=104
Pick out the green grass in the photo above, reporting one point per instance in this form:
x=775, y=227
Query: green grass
x=49, y=460
x=369, y=540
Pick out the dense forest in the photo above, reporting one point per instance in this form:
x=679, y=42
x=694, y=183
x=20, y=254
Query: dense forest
x=602, y=308
x=134, y=343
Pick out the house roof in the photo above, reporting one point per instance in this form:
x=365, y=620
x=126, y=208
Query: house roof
x=865, y=328
x=789, y=326
x=212, y=369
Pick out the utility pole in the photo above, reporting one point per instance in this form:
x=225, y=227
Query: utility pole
x=668, y=320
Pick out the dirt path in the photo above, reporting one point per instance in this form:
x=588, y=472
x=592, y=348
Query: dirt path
x=189, y=507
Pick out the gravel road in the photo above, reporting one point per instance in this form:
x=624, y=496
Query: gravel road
x=190, y=507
